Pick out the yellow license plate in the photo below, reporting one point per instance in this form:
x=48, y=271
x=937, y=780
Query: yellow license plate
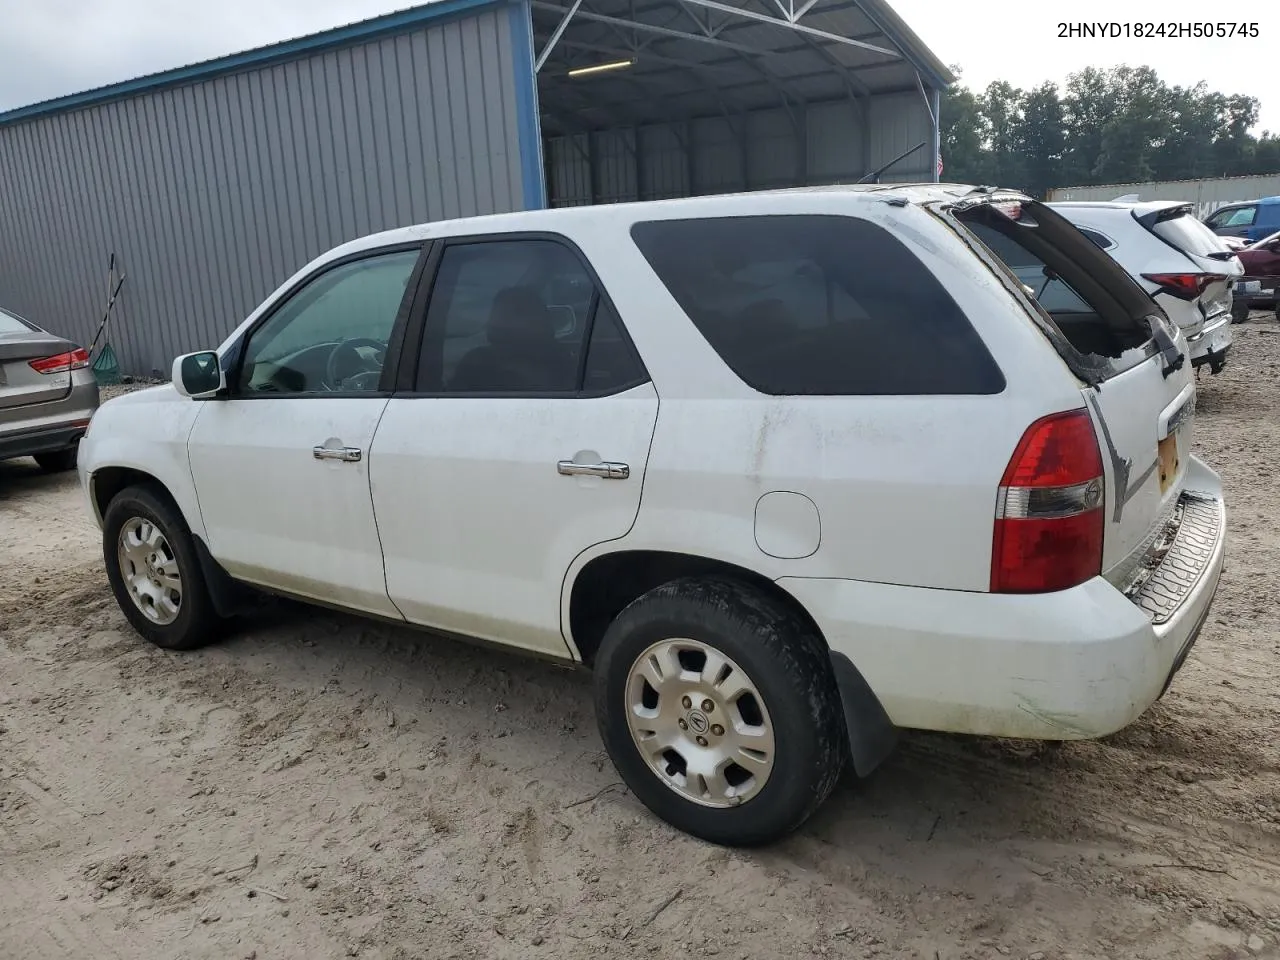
x=1169, y=462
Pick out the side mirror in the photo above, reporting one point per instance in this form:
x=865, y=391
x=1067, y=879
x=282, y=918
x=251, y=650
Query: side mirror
x=199, y=375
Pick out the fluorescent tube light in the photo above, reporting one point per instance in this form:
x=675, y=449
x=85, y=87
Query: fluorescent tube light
x=600, y=68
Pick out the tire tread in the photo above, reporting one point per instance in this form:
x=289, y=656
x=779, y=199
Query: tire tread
x=197, y=623
x=795, y=652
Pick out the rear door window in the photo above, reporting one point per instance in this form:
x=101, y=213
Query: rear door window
x=521, y=317
x=818, y=305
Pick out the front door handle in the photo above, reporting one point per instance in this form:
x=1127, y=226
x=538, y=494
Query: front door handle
x=609, y=471
x=346, y=454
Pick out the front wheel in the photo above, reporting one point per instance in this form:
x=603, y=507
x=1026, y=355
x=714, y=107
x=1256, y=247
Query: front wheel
x=154, y=571
x=718, y=705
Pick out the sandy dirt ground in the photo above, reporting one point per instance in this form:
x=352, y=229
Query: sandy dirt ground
x=318, y=786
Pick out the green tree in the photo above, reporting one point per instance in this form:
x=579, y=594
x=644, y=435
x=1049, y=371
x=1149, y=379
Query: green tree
x=1137, y=127
x=963, y=129
x=1266, y=155
x=1117, y=125
x=1042, y=139
x=1235, y=148
x=1001, y=105
x=1089, y=105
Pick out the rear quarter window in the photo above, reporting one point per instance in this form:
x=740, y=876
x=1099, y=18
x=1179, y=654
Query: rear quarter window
x=818, y=305
x=1103, y=243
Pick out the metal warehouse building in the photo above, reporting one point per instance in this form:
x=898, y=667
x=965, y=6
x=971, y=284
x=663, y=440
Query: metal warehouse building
x=213, y=183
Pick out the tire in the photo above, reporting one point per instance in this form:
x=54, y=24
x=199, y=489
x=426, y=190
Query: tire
x=782, y=659
x=189, y=622
x=57, y=461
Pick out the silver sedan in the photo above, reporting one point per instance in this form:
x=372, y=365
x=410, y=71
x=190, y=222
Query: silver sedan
x=48, y=393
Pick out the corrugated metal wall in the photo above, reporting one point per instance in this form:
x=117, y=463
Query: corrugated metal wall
x=213, y=193
x=1207, y=195
x=763, y=150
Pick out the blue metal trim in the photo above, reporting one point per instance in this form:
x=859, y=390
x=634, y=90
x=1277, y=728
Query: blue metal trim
x=528, y=122
x=262, y=56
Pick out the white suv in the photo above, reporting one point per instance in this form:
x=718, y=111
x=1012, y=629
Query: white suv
x=1186, y=268
x=789, y=471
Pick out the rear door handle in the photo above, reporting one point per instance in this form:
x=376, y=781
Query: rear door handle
x=609, y=471
x=346, y=454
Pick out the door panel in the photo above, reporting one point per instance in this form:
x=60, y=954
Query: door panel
x=280, y=517
x=479, y=525
x=281, y=467
x=524, y=444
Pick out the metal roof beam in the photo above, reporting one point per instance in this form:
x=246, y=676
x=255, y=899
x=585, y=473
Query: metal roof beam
x=855, y=86
x=555, y=36
x=692, y=69
x=789, y=10
x=635, y=49
x=646, y=27
x=734, y=88
x=792, y=25
x=781, y=85
x=804, y=8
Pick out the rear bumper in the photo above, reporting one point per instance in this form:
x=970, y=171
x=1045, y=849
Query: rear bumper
x=1076, y=664
x=46, y=427
x=1211, y=344
x=45, y=439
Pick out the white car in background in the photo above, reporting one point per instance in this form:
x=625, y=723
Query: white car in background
x=1186, y=268
x=787, y=471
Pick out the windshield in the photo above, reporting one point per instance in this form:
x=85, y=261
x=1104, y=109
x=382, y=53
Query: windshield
x=11, y=324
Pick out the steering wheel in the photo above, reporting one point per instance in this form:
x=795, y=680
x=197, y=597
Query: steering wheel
x=345, y=350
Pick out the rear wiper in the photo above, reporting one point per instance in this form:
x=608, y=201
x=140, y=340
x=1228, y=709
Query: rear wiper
x=1221, y=255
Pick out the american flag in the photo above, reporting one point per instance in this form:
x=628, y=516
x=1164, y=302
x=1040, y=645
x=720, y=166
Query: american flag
x=939, y=164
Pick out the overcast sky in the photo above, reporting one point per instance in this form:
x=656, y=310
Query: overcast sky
x=53, y=47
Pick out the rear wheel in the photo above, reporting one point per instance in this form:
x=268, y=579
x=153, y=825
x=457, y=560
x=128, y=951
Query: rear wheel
x=57, y=461
x=154, y=572
x=719, y=708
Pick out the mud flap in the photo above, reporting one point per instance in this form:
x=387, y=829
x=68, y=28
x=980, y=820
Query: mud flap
x=229, y=597
x=872, y=735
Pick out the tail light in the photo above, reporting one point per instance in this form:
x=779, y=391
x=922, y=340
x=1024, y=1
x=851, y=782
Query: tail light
x=1184, y=286
x=76, y=359
x=1049, y=522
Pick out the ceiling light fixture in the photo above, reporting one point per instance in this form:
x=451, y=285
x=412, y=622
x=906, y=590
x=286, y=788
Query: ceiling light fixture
x=600, y=68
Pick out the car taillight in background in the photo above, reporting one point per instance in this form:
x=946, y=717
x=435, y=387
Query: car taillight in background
x=1049, y=522
x=76, y=359
x=1184, y=286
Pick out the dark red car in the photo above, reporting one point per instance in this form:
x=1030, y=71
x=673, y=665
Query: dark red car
x=1262, y=262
